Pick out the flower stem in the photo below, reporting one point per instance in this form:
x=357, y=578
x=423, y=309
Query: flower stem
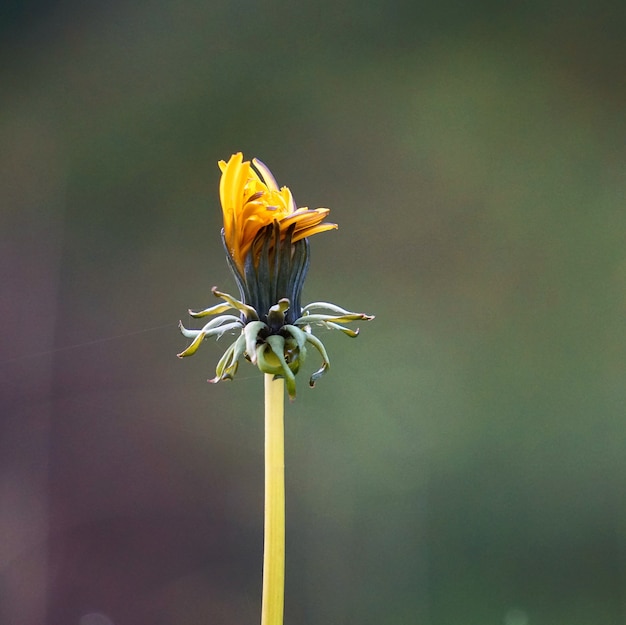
x=274, y=534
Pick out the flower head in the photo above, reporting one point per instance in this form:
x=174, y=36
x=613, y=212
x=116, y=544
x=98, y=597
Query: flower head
x=251, y=202
x=265, y=238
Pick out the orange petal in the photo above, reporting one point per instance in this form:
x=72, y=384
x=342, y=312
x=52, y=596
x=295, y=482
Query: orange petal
x=309, y=232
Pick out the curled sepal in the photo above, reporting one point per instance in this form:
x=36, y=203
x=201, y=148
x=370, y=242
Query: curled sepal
x=333, y=308
x=190, y=334
x=213, y=310
x=299, y=336
x=266, y=360
x=318, y=318
x=294, y=356
x=318, y=374
x=192, y=348
x=335, y=326
x=276, y=314
x=325, y=360
x=217, y=326
x=246, y=310
x=228, y=327
x=295, y=347
x=251, y=332
x=333, y=318
x=277, y=344
x=229, y=362
x=269, y=336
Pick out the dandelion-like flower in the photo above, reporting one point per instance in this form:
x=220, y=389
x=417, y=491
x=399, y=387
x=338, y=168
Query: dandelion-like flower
x=265, y=237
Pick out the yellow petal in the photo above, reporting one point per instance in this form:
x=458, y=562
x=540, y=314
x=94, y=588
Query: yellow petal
x=309, y=232
x=268, y=178
x=251, y=202
x=305, y=218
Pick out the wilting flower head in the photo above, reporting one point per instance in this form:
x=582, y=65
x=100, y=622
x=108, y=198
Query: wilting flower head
x=251, y=202
x=265, y=237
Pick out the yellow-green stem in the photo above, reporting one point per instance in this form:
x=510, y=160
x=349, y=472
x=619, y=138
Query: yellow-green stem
x=274, y=533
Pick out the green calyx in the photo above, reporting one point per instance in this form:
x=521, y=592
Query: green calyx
x=268, y=339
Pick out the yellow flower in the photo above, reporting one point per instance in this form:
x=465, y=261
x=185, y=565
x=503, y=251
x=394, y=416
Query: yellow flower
x=266, y=242
x=251, y=202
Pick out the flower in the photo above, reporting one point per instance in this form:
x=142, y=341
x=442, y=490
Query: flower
x=265, y=237
x=250, y=202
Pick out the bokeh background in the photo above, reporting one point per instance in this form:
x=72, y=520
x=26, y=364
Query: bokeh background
x=464, y=462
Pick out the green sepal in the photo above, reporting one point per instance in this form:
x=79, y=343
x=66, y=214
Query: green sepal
x=325, y=360
x=318, y=374
x=279, y=286
x=276, y=314
x=300, y=336
x=189, y=334
x=295, y=350
x=241, y=283
x=221, y=330
x=264, y=364
x=261, y=275
x=308, y=318
x=277, y=345
x=335, y=326
x=228, y=363
x=214, y=323
x=251, y=332
x=246, y=310
x=192, y=348
x=212, y=328
x=326, y=306
x=300, y=267
x=213, y=310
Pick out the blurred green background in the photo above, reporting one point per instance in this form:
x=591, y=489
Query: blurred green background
x=464, y=461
